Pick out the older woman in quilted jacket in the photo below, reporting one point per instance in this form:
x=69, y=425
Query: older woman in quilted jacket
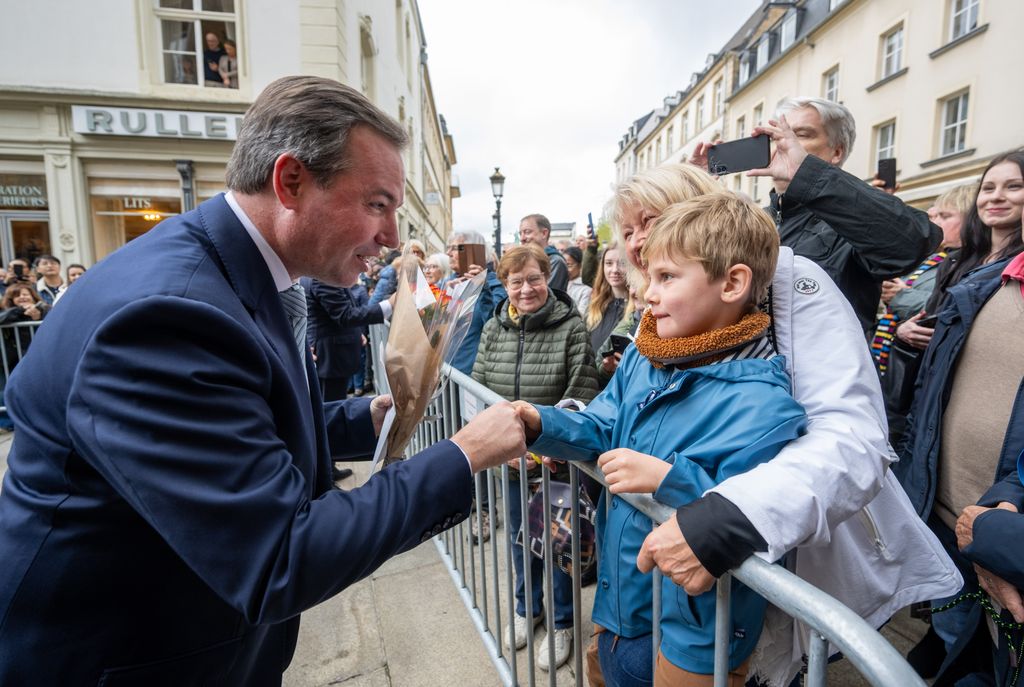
x=535, y=348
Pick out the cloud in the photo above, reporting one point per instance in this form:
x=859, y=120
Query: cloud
x=545, y=90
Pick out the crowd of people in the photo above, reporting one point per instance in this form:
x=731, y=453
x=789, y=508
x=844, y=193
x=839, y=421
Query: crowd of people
x=27, y=293
x=906, y=287
x=830, y=383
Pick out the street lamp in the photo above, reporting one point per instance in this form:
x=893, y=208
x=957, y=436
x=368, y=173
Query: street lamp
x=498, y=189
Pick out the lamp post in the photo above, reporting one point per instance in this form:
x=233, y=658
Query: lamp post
x=498, y=189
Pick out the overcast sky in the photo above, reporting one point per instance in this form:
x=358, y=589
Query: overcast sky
x=546, y=88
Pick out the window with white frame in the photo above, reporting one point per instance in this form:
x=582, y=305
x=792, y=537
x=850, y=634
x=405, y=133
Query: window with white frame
x=699, y=115
x=684, y=127
x=670, y=139
x=787, y=35
x=830, y=84
x=763, y=46
x=718, y=101
x=963, y=17
x=741, y=127
x=892, y=51
x=198, y=42
x=744, y=74
x=885, y=140
x=658, y=151
x=758, y=116
x=953, y=135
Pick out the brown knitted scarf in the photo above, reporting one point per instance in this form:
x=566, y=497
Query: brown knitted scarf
x=700, y=349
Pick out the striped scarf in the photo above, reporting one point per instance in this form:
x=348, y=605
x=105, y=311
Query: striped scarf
x=885, y=332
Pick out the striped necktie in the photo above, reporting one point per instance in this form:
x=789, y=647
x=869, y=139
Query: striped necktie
x=294, y=301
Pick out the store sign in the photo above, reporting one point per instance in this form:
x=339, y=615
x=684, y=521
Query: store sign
x=23, y=192
x=129, y=121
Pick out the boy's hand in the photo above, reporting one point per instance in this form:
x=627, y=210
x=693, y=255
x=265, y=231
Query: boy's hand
x=530, y=418
x=630, y=472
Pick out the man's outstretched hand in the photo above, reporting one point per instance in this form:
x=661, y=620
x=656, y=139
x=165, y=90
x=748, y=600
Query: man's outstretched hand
x=666, y=547
x=530, y=418
x=492, y=437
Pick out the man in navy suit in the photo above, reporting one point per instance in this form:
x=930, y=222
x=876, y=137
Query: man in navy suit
x=168, y=512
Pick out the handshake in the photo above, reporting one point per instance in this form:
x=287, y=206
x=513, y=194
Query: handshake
x=498, y=434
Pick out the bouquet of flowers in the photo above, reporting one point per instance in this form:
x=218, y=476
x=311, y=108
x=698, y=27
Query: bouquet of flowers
x=428, y=325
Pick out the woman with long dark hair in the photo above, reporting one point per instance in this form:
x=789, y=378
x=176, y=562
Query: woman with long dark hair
x=992, y=231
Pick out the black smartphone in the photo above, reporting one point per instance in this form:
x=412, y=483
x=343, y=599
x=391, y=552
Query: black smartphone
x=887, y=171
x=19, y=269
x=591, y=234
x=930, y=321
x=740, y=155
x=617, y=343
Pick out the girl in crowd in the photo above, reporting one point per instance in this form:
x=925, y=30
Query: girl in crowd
x=536, y=349
x=609, y=298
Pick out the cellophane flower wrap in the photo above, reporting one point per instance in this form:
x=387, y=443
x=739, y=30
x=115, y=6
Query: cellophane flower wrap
x=427, y=327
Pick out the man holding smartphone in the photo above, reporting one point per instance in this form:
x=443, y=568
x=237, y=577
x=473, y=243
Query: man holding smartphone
x=860, y=237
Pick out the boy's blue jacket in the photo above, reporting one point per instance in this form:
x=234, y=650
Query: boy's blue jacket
x=710, y=422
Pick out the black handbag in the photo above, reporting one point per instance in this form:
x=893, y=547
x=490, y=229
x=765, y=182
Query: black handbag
x=898, y=386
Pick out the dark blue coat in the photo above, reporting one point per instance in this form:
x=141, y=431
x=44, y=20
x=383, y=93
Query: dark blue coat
x=168, y=509
x=917, y=468
x=337, y=320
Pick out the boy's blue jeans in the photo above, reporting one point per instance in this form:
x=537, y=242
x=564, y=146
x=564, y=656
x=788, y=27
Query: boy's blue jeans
x=625, y=662
x=561, y=583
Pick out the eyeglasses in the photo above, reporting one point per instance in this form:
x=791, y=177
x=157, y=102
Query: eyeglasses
x=535, y=280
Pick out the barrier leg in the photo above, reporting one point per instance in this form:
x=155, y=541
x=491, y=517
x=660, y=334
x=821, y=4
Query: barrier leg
x=723, y=621
x=817, y=660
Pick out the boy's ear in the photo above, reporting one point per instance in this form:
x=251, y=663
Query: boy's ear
x=736, y=284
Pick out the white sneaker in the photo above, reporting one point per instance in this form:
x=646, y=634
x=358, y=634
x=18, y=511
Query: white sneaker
x=518, y=626
x=563, y=643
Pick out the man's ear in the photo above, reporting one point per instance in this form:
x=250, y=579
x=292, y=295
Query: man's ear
x=837, y=155
x=736, y=284
x=289, y=178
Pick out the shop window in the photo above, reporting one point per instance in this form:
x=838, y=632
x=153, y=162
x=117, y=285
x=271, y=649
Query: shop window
x=116, y=220
x=199, y=42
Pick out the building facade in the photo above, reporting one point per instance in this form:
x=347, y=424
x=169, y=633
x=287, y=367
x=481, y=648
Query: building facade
x=926, y=81
x=105, y=132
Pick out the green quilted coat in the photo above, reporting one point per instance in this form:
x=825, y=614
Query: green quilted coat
x=543, y=358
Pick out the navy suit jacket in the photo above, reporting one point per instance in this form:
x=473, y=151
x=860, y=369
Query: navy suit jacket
x=168, y=509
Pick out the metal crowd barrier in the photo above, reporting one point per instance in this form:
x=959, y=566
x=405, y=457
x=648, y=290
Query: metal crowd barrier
x=14, y=342
x=490, y=601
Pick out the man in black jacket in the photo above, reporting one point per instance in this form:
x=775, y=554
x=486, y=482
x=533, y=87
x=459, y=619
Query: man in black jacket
x=859, y=235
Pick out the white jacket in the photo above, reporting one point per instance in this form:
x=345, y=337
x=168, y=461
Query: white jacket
x=830, y=494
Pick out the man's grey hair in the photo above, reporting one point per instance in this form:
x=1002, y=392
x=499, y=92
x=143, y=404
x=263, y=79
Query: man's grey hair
x=466, y=236
x=310, y=118
x=837, y=120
